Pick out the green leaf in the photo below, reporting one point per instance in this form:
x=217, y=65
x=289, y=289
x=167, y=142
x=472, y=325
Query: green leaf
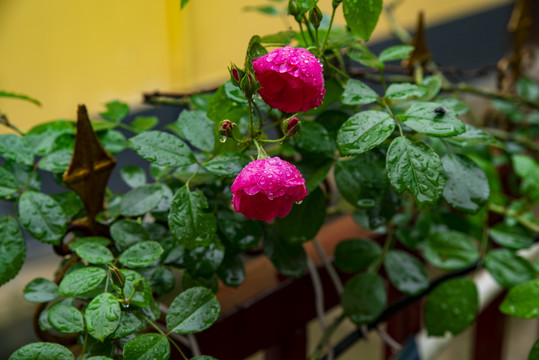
x=144, y=123
x=314, y=171
x=42, y=350
x=205, y=260
x=432, y=85
x=289, y=259
x=24, y=175
x=228, y=164
x=450, y=250
x=354, y=255
x=40, y=290
x=56, y=162
x=162, y=149
x=424, y=118
x=241, y=233
x=65, y=318
x=452, y=307
x=141, y=254
x=19, y=96
x=512, y=237
x=404, y=91
x=42, y=138
x=13, y=249
x=194, y=310
x=133, y=176
x=364, y=297
x=458, y=106
x=127, y=232
x=94, y=253
x=314, y=139
x=507, y=268
x=357, y=93
x=417, y=168
x=15, y=148
x=142, y=298
x=129, y=323
x=474, y=136
x=147, y=346
x=362, y=180
x=528, y=170
x=231, y=271
x=70, y=202
x=362, y=16
x=141, y=200
x=254, y=50
x=305, y=220
x=8, y=184
x=102, y=316
x=112, y=140
x=161, y=279
x=363, y=131
x=466, y=188
x=43, y=217
x=116, y=111
x=397, y=52
x=534, y=352
x=281, y=38
x=195, y=127
x=364, y=56
x=82, y=281
x=406, y=272
x=188, y=222
x=522, y=301
x=97, y=240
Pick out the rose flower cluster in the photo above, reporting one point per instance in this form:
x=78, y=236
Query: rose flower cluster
x=291, y=80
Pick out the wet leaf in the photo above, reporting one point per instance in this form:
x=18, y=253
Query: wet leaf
x=522, y=301
x=82, y=281
x=425, y=118
x=406, y=272
x=194, y=310
x=354, y=255
x=40, y=290
x=450, y=250
x=94, y=253
x=466, y=188
x=417, y=168
x=357, y=93
x=43, y=217
x=42, y=350
x=133, y=176
x=507, y=268
x=404, y=91
x=102, y=316
x=162, y=149
x=141, y=200
x=141, y=254
x=13, y=249
x=363, y=131
x=65, y=318
x=452, y=306
x=362, y=16
x=364, y=297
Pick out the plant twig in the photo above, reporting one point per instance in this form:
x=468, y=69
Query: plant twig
x=335, y=279
x=319, y=301
x=392, y=343
x=520, y=219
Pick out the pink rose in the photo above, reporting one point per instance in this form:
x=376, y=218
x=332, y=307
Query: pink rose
x=291, y=79
x=267, y=188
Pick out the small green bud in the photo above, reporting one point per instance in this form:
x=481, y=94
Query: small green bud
x=117, y=276
x=249, y=85
x=236, y=74
x=315, y=16
x=293, y=8
x=138, y=285
x=336, y=3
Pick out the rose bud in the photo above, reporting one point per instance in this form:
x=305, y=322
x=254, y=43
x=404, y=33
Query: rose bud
x=291, y=126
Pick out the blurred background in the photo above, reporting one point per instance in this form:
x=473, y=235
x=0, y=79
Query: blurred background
x=65, y=52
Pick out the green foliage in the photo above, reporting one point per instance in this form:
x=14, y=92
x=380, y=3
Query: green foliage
x=452, y=307
x=401, y=161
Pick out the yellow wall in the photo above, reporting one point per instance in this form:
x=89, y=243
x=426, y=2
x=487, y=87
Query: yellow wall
x=65, y=52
